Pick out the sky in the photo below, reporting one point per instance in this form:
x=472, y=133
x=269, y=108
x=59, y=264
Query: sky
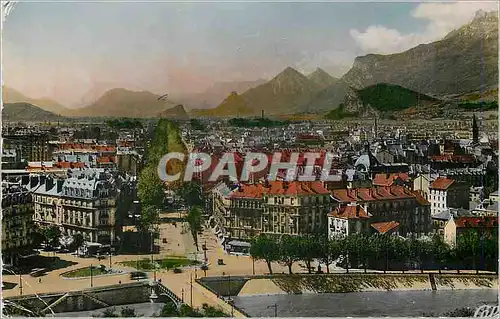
x=69, y=50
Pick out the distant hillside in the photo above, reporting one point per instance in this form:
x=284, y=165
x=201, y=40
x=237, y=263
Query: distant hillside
x=25, y=112
x=233, y=105
x=215, y=94
x=125, y=103
x=329, y=98
x=288, y=92
x=175, y=113
x=10, y=95
x=380, y=98
x=321, y=78
x=466, y=60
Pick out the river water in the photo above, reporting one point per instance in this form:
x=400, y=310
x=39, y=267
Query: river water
x=364, y=304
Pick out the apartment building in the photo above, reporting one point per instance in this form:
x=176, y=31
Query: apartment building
x=447, y=193
x=278, y=207
x=17, y=224
x=346, y=220
x=395, y=203
x=30, y=146
x=84, y=203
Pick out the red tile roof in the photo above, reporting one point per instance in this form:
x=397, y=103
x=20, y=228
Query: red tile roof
x=441, y=183
x=476, y=222
x=373, y=194
x=384, y=227
x=349, y=212
x=280, y=188
x=69, y=165
x=453, y=158
x=388, y=179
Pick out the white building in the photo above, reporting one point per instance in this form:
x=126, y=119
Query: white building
x=347, y=220
x=446, y=193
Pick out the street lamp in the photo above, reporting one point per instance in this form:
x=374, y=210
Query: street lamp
x=91, y=277
x=253, y=266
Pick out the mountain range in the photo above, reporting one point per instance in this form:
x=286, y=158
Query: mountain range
x=464, y=61
x=215, y=94
x=125, y=103
x=10, y=95
x=461, y=66
x=26, y=112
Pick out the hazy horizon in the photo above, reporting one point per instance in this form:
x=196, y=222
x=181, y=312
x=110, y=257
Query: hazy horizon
x=74, y=51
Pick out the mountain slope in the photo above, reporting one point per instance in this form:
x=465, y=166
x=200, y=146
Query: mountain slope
x=177, y=113
x=233, y=105
x=286, y=93
x=321, y=78
x=215, y=94
x=124, y=103
x=329, y=98
x=453, y=65
x=25, y=112
x=10, y=95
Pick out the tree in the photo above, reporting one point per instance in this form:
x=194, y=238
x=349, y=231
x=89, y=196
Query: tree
x=440, y=250
x=150, y=188
x=265, y=248
x=191, y=192
x=289, y=251
x=51, y=235
x=329, y=251
x=149, y=218
x=110, y=313
x=213, y=312
x=127, y=312
x=195, y=220
x=78, y=240
x=308, y=249
x=468, y=248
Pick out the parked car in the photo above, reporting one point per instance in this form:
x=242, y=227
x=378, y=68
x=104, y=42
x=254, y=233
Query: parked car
x=177, y=270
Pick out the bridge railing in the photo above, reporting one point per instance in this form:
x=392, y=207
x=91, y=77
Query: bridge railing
x=164, y=290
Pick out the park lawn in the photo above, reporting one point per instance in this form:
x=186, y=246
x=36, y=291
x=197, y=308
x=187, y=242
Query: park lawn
x=166, y=263
x=84, y=272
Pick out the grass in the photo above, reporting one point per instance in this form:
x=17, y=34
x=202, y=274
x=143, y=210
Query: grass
x=166, y=263
x=84, y=272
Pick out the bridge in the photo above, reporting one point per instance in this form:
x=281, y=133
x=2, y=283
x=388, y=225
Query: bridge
x=93, y=298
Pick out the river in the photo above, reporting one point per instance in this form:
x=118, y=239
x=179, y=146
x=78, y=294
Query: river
x=364, y=304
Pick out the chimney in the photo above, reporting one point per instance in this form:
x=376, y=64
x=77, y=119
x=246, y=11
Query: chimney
x=357, y=210
x=285, y=185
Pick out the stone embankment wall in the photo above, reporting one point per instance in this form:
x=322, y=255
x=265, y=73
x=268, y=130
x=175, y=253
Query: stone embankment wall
x=340, y=283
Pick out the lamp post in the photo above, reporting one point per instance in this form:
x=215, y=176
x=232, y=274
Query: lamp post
x=275, y=306
x=205, y=251
x=20, y=285
x=91, y=275
x=253, y=266
x=191, y=290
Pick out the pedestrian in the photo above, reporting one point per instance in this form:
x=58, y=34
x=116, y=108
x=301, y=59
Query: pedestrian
x=119, y=282
x=39, y=280
x=159, y=280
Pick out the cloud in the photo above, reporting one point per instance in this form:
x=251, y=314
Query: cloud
x=441, y=19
